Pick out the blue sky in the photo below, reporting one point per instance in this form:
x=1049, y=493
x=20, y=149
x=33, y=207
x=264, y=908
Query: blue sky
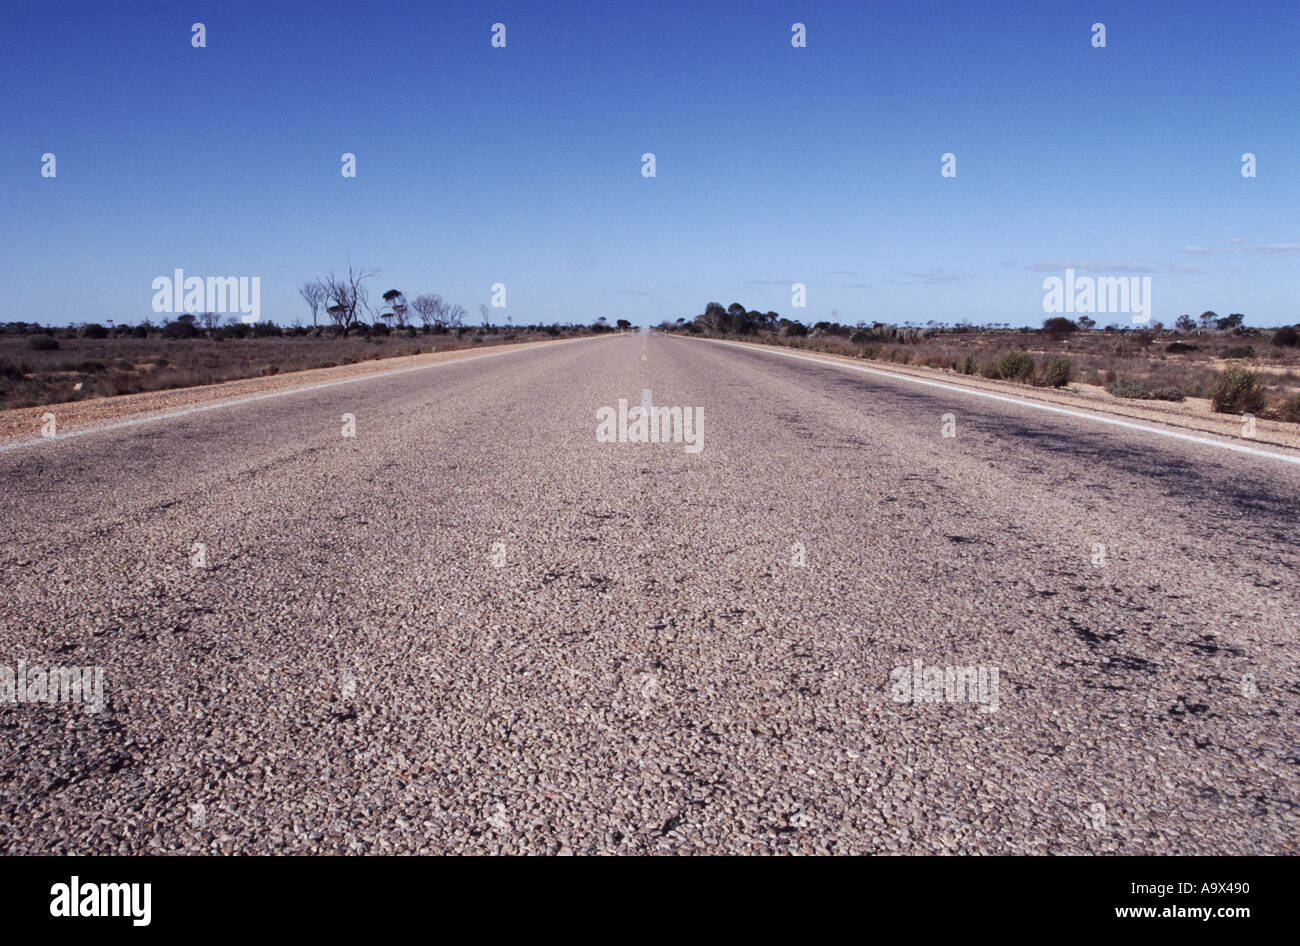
x=522, y=165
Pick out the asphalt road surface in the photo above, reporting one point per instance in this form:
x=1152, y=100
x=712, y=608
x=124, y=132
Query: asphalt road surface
x=473, y=626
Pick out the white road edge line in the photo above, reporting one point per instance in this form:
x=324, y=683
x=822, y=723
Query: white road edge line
x=235, y=402
x=1177, y=435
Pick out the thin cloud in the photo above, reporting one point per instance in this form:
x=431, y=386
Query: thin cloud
x=1115, y=266
x=1096, y=266
x=942, y=276
x=1239, y=244
x=1271, y=248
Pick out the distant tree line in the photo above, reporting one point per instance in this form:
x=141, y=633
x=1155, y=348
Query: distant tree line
x=339, y=305
x=218, y=328
x=735, y=319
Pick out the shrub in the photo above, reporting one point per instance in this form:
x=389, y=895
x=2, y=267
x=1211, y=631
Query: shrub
x=93, y=330
x=1290, y=410
x=1124, y=386
x=1059, y=325
x=270, y=369
x=1015, y=366
x=1237, y=390
x=42, y=343
x=119, y=382
x=969, y=365
x=179, y=329
x=1240, y=351
x=1286, y=337
x=1178, y=348
x=1056, y=373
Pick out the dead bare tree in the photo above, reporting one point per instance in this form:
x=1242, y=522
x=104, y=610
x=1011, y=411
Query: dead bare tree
x=455, y=316
x=430, y=309
x=313, y=293
x=348, y=295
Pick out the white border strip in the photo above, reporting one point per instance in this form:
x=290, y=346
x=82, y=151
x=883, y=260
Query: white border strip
x=1038, y=405
x=234, y=402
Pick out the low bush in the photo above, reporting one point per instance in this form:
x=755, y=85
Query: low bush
x=1237, y=390
x=1125, y=386
x=120, y=382
x=1013, y=366
x=1286, y=337
x=1056, y=373
x=42, y=343
x=1239, y=351
x=93, y=330
x=1165, y=393
x=1177, y=348
x=1290, y=410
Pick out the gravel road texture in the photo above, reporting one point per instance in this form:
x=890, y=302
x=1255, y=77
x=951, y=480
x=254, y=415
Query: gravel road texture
x=471, y=626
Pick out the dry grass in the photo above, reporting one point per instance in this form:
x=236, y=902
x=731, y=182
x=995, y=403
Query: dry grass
x=125, y=365
x=1097, y=357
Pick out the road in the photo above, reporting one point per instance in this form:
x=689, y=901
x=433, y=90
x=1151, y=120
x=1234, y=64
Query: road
x=472, y=626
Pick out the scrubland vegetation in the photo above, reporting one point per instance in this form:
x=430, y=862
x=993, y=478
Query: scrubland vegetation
x=48, y=365
x=1241, y=369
